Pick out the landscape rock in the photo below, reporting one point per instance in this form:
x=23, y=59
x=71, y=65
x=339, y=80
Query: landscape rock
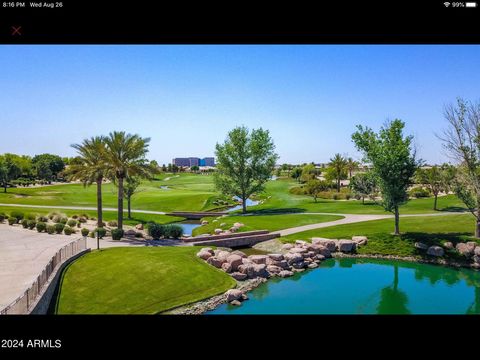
x=233, y=294
x=464, y=249
x=282, y=264
x=276, y=257
x=475, y=265
x=239, y=253
x=421, y=246
x=217, y=231
x=320, y=257
x=258, y=259
x=130, y=232
x=204, y=255
x=233, y=229
x=300, y=242
x=139, y=226
x=204, y=222
x=346, y=245
x=238, y=276
x=448, y=245
x=222, y=255
x=287, y=247
x=235, y=261
x=476, y=259
x=238, y=225
x=330, y=244
x=297, y=250
x=435, y=251
x=312, y=265
x=210, y=250
x=227, y=267
x=299, y=265
x=214, y=261
x=285, y=273
x=236, y=303
x=293, y=258
x=272, y=269
x=260, y=270
x=222, y=224
x=477, y=250
x=360, y=240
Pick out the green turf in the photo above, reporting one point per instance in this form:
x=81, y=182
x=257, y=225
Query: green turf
x=107, y=215
x=144, y=280
x=432, y=230
x=278, y=199
x=263, y=222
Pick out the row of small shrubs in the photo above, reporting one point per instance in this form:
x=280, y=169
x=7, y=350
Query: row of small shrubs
x=169, y=231
x=419, y=192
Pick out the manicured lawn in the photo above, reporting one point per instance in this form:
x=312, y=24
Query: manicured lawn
x=278, y=199
x=185, y=192
x=433, y=230
x=143, y=280
x=264, y=222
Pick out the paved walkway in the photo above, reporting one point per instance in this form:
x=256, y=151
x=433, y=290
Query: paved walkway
x=82, y=208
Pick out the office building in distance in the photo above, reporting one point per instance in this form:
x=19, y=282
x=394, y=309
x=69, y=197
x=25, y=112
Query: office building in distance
x=194, y=161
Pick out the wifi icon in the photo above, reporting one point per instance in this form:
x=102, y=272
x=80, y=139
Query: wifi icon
x=447, y=4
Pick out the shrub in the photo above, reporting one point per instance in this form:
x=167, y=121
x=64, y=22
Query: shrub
x=101, y=232
x=335, y=196
x=67, y=230
x=91, y=234
x=156, y=231
x=348, y=196
x=59, y=228
x=17, y=214
x=139, y=235
x=117, y=234
x=12, y=220
x=173, y=231
x=30, y=216
x=85, y=232
x=31, y=224
x=85, y=216
x=82, y=220
x=25, y=223
x=42, y=218
x=41, y=226
x=52, y=215
x=72, y=223
x=419, y=192
x=79, y=225
x=112, y=223
x=75, y=216
x=50, y=229
x=63, y=220
x=2, y=217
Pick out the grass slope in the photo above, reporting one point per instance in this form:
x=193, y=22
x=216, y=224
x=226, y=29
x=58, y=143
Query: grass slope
x=263, y=222
x=434, y=230
x=138, y=281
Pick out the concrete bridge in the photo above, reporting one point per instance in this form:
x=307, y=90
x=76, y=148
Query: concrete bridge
x=242, y=239
x=192, y=215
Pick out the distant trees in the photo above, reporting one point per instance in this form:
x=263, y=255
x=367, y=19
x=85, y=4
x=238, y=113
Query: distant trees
x=131, y=186
x=296, y=173
x=195, y=168
x=352, y=166
x=3, y=174
x=48, y=166
x=436, y=179
x=364, y=185
x=393, y=162
x=315, y=187
x=461, y=140
x=309, y=172
x=337, y=170
x=245, y=162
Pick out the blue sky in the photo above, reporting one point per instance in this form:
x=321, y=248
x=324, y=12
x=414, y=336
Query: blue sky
x=186, y=98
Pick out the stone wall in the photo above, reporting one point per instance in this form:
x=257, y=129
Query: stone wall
x=240, y=241
x=225, y=236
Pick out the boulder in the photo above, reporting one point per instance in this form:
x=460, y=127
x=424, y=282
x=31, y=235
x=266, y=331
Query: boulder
x=214, y=261
x=217, y=231
x=360, y=240
x=320, y=257
x=238, y=276
x=276, y=257
x=247, y=269
x=285, y=273
x=475, y=265
x=210, y=250
x=435, y=251
x=464, y=249
x=260, y=270
x=238, y=225
x=476, y=259
x=204, y=222
x=346, y=245
x=421, y=246
x=287, y=247
x=139, y=226
x=239, y=253
x=235, y=261
x=477, y=251
x=300, y=242
x=272, y=269
x=130, y=232
x=226, y=232
x=233, y=294
x=293, y=258
x=472, y=245
x=282, y=264
x=227, y=267
x=448, y=245
x=330, y=244
x=222, y=224
x=233, y=229
x=259, y=259
x=297, y=250
x=299, y=265
x=236, y=303
x=312, y=265
x=204, y=255
x=222, y=255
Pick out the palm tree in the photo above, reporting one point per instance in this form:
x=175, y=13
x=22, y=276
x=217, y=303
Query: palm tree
x=125, y=156
x=352, y=166
x=338, y=169
x=90, y=167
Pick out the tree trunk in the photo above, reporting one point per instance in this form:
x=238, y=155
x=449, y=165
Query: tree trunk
x=395, y=277
x=363, y=200
x=435, y=202
x=477, y=228
x=315, y=198
x=4, y=187
x=99, y=202
x=397, y=221
x=244, y=204
x=120, y=203
x=338, y=185
x=129, y=208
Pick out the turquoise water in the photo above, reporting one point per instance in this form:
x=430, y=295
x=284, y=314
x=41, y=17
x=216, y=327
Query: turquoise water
x=366, y=286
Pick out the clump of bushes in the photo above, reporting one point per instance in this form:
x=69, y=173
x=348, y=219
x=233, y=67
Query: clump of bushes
x=335, y=196
x=41, y=226
x=30, y=216
x=75, y=216
x=82, y=220
x=25, y=223
x=91, y=234
x=419, y=192
x=54, y=214
x=85, y=216
x=59, y=228
x=31, y=224
x=41, y=218
x=84, y=231
x=50, y=229
x=72, y=223
x=101, y=232
x=156, y=231
x=63, y=220
x=12, y=220
x=112, y=223
x=2, y=217
x=67, y=230
x=117, y=234
x=19, y=215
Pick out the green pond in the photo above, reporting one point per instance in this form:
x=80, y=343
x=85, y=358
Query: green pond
x=366, y=286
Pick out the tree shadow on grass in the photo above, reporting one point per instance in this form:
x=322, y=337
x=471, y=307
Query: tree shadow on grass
x=437, y=238
x=274, y=211
x=453, y=209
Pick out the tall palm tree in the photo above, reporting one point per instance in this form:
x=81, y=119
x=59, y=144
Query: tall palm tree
x=352, y=166
x=125, y=156
x=90, y=167
x=338, y=169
